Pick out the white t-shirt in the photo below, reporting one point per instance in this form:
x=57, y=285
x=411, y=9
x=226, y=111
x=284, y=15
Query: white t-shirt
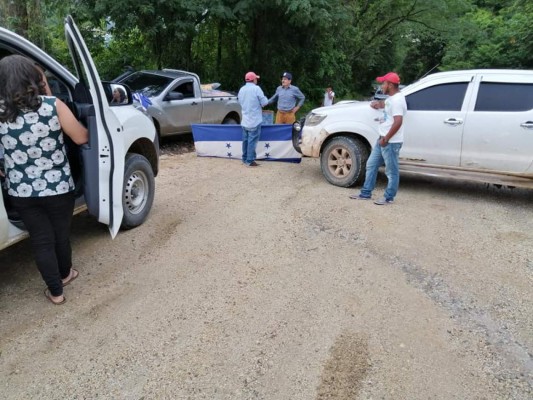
x=394, y=105
x=327, y=100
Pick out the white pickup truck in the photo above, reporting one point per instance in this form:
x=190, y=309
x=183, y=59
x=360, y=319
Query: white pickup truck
x=178, y=100
x=114, y=172
x=472, y=125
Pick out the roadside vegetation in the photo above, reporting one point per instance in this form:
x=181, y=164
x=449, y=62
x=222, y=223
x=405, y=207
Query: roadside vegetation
x=345, y=43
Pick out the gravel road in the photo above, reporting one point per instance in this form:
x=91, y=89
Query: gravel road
x=270, y=283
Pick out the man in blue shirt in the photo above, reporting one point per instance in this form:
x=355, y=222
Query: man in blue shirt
x=252, y=99
x=289, y=99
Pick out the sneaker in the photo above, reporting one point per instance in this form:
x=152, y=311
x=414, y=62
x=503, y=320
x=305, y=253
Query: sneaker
x=383, y=201
x=359, y=197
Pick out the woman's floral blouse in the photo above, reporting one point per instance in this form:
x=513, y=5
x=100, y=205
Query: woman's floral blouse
x=36, y=161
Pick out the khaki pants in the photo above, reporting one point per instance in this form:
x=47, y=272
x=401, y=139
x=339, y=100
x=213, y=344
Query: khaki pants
x=285, y=117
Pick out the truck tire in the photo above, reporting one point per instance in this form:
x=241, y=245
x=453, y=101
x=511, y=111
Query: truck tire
x=138, y=192
x=343, y=161
x=230, y=120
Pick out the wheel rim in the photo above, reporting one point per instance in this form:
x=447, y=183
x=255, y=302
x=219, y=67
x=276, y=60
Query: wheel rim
x=136, y=192
x=340, y=162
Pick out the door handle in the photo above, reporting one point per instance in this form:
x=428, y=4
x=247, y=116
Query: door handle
x=194, y=103
x=527, y=125
x=453, y=121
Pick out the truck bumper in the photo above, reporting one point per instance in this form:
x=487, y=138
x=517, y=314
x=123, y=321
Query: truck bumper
x=312, y=139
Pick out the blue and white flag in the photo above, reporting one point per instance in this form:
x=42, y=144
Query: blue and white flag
x=225, y=141
x=144, y=101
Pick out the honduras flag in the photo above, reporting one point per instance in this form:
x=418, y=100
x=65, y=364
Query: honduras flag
x=225, y=141
x=144, y=101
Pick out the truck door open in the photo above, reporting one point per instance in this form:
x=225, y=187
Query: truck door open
x=103, y=157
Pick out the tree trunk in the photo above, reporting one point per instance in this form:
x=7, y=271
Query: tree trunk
x=14, y=16
x=219, y=46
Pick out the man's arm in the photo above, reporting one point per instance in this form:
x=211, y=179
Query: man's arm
x=261, y=97
x=301, y=98
x=274, y=98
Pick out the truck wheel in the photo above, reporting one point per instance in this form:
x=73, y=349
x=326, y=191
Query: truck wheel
x=230, y=120
x=343, y=160
x=138, y=191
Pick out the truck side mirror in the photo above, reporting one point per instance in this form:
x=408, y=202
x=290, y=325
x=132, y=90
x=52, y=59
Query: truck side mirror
x=117, y=93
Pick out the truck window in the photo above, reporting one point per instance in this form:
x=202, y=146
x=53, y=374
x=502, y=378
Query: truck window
x=147, y=84
x=445, y=97
x=186, y=88
x=495, y=96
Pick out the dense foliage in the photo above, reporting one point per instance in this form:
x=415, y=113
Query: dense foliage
x=346, y=43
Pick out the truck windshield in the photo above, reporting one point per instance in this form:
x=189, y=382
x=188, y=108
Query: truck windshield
x=147, y=84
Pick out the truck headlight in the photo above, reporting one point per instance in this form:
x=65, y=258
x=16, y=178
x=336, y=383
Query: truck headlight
x=314, y=119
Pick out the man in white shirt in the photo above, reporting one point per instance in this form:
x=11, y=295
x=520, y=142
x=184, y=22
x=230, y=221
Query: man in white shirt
x=329, y=97
x=387, y=149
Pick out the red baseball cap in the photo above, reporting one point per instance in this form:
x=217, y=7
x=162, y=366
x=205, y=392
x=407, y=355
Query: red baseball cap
x=251, y=76
x=391, y=77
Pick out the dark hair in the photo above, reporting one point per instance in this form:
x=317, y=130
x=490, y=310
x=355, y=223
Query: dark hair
x=121, y=92
x=21, y=83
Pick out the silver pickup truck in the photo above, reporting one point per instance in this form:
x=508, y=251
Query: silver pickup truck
x=175, y=99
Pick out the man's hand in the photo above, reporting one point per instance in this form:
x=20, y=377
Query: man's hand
x=377, y=104
x=396, y=124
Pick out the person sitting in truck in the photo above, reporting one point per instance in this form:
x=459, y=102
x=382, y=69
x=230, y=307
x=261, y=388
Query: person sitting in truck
x=186, y=89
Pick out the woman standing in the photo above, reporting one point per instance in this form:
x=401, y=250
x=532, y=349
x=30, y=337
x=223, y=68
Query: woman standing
x=38, y=176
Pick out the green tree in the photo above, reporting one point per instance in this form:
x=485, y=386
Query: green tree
x=166, y=27
x=423, y=54
x=498, y=36
x=25, y=18
x=343, y=43
x=346, y=43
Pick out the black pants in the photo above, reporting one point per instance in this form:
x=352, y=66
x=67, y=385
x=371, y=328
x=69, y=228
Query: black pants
x=47, y=220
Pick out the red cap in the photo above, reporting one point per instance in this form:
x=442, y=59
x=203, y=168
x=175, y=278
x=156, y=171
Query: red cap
x=391, y=77
x=251, y=76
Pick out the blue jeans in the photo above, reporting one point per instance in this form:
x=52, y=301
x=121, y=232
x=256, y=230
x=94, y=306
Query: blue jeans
x=390, y=156
x=250, y=137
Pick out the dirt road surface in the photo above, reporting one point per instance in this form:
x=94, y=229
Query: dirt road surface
x=270, y=283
